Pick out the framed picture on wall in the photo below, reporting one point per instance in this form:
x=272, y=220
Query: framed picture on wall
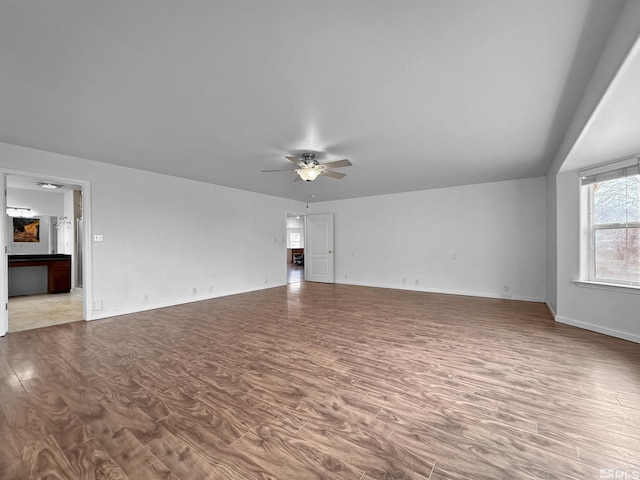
x=26, y=230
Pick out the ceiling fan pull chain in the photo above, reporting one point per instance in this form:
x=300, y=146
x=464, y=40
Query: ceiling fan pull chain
x=308, y=196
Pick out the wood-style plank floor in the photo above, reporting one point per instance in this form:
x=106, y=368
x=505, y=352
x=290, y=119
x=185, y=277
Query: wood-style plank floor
x=315, y=381
x=295, y=273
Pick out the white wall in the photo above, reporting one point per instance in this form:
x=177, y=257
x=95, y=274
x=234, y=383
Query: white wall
x=41, y=203
x=551, y=281
x=496, y=230
x=165, y=236
x=614, y=312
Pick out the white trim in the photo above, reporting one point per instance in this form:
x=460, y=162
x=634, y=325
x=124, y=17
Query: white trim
x=588, y=231
x=587, y=259
x=615, y=287
x=87, y=251
x=610, y=166
x=100, y=314
x=464, y=293
x=87, y=265
x=599, y=329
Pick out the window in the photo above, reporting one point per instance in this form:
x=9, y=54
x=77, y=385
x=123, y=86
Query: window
x=614, y=224
x=294, y=239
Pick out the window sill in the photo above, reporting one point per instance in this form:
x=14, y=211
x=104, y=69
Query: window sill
x=614, y=287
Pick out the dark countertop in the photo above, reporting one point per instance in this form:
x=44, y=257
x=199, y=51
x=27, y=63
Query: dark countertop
x=40, y=256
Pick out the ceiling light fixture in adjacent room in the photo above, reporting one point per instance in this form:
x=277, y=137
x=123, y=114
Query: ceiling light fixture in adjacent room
x=20, y=212
x=49, y=185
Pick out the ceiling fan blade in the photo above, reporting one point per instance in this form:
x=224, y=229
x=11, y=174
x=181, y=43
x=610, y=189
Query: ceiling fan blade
x=337, y=163
x=286, y=170
x=296, y=160
x=297, y=179
x=329, y=173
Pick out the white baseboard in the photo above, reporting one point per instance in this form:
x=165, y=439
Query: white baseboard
x=598, y=328
x=446, y=292
x=558, y=318
x=97, y=315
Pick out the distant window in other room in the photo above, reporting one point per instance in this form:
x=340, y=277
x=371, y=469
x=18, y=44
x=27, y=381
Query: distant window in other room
x=614, y=225
x=294, y=239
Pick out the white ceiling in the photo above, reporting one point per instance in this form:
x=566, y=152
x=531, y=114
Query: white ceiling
x=613, y=132
x=417, y=94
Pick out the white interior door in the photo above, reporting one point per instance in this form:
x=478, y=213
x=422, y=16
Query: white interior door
x=319, y=248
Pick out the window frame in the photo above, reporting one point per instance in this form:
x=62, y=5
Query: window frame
x=591, y=228
x=298, y=242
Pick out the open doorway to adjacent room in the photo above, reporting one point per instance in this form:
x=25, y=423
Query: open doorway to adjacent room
x=295, y=248
x=44, y=222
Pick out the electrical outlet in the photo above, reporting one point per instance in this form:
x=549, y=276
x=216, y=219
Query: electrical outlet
x=145, y=298
x=97, y=304
x=266, y=280
x=404, y=281
x=454, y=256
x=195, y=291
x=505, y=289
x=417, y=281
x=346, y=277
x=98, y=238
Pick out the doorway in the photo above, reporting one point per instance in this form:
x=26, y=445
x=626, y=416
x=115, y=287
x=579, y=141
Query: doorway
x=44, y=275
x=295, y=248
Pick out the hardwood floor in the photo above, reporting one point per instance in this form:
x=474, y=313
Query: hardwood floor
x=295, y=273
x=323, y=381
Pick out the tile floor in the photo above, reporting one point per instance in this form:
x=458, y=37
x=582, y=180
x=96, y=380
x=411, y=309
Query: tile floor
x=36, y=311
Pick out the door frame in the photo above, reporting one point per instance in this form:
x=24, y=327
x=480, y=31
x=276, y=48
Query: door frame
x=87, y=260
x=288, y=214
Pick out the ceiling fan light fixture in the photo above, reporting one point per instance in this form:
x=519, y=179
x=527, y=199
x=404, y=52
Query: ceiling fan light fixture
x=308, y=168
x=308, y=174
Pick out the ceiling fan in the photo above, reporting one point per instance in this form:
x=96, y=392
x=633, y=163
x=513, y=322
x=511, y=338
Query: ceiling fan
x=309, y=169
